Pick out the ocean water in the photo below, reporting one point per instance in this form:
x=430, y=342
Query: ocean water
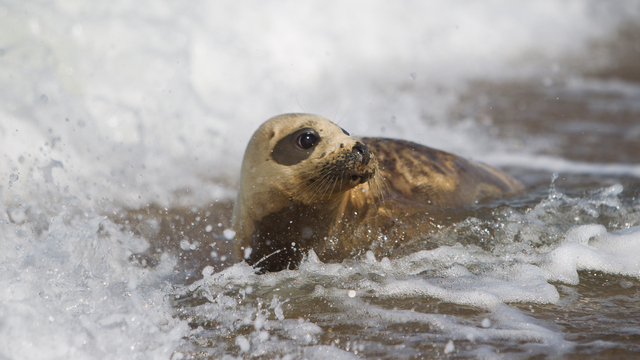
x=122, y=129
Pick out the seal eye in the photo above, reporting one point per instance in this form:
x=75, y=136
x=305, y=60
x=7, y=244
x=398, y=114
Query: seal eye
x=307, y=140
x=295, y=147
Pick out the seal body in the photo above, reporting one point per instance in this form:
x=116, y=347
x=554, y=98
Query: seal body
x=306, y=184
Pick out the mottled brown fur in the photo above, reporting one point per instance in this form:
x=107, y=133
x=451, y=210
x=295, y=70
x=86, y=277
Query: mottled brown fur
x=345, y=195
x=420, y=174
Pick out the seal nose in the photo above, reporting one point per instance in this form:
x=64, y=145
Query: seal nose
x=363, y=151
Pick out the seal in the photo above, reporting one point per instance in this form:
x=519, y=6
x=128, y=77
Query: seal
x=307, y=184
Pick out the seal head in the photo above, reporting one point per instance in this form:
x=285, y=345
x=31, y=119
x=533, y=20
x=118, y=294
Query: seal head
x=298, y=174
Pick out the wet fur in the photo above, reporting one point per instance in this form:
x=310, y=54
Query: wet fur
x=421, y=174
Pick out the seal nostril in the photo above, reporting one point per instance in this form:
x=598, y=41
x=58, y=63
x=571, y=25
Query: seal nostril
x=364, y=151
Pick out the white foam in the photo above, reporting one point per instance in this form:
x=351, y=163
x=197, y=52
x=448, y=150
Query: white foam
x=74, y=294
x=590, y=247
x=505, y=284
x=321, y=352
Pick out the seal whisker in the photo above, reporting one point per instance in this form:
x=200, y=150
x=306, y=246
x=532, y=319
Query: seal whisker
x=376, y=188
x=319, y=190
x=311, y=191
x=310, y=188
x=321, y=182
x=318, y=185
x=326, y=182
x=327, y=185
x=339, y=179
x=335, y=180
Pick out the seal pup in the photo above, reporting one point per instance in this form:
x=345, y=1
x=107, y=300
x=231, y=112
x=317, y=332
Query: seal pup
x=306, y=183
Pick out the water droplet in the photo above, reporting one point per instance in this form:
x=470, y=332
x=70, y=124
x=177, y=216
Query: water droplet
x=449, y=348
x=228, y=234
